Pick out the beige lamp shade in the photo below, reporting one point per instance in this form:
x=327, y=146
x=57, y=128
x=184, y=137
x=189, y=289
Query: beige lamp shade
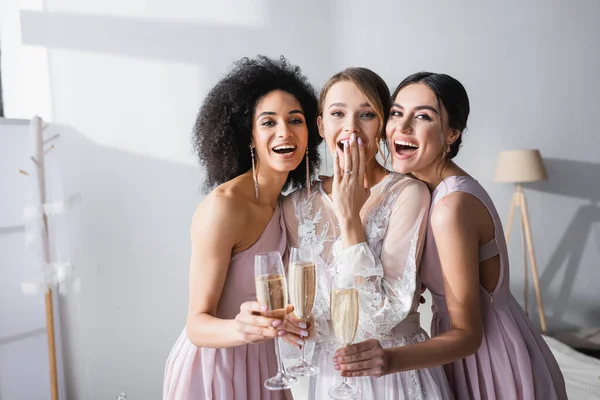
x=519, y=166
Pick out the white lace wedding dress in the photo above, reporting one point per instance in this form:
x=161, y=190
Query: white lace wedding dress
x=394, y=218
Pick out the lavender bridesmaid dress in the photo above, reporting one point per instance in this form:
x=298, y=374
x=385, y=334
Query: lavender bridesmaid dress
x=513, y=361
x=233, y=373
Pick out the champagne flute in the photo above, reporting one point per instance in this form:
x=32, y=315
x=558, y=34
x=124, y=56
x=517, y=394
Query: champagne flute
x=344, y=321
x=302, y=280
x=271, y=290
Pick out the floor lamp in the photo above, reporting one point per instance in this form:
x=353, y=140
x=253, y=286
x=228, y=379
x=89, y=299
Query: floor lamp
x=518, y=167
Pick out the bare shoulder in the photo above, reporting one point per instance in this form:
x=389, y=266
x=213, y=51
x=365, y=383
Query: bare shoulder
x=456, y=209
x=225, y=207
x=411, y=187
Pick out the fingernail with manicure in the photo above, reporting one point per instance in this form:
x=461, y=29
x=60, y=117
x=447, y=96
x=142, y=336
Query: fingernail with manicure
x=359, y=141
x=301, y=342
x=276, y=323
x=302, y=325
x=281, y=333
x=352, y=137
x=345, y=143
x=303, y=333
x=263, y=308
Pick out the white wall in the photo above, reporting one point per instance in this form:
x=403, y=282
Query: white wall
x=136, y=214
x=127, y=80
x=129, y=77
x=24, y=367
x=531, y=71
x=25, y=78
x=148, y=67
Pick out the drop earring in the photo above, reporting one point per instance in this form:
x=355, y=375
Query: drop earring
x=307, y=172
x=254, y=173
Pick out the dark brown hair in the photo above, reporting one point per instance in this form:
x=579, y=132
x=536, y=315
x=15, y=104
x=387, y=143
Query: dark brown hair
x=450, y=93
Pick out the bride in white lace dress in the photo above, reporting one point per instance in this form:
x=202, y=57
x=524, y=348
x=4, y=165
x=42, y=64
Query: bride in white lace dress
x=378, y=238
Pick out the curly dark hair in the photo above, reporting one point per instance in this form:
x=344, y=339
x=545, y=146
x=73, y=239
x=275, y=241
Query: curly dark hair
x=223, y=128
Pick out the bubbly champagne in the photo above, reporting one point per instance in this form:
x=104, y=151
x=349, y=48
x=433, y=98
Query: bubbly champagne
x=302, y=280
x=344, y=314
x=271, y=291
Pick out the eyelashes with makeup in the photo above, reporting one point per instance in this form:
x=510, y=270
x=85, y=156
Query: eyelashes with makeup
x=419, y=116
x=365, y=115
x=295, y=121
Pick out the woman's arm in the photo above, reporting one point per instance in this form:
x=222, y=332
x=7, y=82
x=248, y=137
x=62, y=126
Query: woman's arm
x=387, y=282
x=217, y=229
x=456, y=234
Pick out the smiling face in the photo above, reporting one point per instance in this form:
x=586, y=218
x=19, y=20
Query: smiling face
x=279, y=133
x=417, y=130
x=346, y=110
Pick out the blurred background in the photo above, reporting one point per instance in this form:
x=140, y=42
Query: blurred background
x=122, y=80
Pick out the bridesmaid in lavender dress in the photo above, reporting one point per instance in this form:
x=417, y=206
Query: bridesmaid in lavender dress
x=253, y=134
x=490, y=348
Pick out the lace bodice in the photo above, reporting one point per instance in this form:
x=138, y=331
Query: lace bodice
x=385, y=267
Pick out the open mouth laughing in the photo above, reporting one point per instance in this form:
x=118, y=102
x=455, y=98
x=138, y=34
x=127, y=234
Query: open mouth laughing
x=405, y=148
x=284, y=149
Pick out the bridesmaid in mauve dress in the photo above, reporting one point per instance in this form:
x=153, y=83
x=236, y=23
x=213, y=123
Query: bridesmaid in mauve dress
x=490, y=347
x=253, y=134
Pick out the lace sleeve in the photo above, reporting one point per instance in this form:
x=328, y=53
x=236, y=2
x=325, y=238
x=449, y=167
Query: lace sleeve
x=386, y=266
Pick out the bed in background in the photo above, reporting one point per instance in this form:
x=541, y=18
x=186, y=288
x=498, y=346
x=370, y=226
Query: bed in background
x=581, y=372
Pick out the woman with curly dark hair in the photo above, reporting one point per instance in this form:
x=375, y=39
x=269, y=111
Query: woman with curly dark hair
x=255, y=135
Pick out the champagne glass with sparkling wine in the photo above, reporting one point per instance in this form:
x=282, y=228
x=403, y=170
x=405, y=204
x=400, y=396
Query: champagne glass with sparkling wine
x=302, y=281
x=271, y=290
x=344, y=321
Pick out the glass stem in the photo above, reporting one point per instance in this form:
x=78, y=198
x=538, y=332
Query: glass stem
x=302, y=359
x=303, y=352
x=280, y=368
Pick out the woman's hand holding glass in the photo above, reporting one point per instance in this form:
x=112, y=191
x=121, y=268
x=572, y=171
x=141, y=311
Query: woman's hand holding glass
x=256, y=324
x=272, y=292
